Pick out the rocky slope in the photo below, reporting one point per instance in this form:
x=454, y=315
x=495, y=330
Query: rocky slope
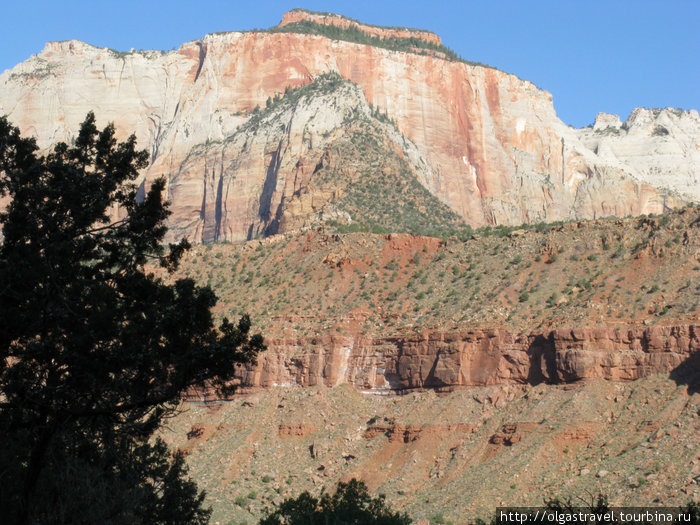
x=531, y=362
x=493, y=148
x=453, y=457
x=611, y=299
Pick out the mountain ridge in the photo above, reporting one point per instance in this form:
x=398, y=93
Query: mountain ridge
x=497, y=150
x=534, y=341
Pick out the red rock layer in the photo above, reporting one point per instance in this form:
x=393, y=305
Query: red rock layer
x=474, y=358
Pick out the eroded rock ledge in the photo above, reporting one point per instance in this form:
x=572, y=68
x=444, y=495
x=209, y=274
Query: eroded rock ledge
x=454, y=359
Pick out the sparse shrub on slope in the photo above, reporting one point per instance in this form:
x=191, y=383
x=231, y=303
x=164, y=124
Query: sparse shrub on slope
x=380, y=192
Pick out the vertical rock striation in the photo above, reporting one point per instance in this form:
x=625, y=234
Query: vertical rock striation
x=495, y=151
x=466, y=358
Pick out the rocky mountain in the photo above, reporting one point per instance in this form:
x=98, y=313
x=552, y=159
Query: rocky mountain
x=327, y=153
x=659, y=146
x=417, y=338
x=484, y=143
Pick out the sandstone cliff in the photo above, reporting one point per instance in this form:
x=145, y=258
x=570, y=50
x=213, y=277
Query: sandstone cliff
x=320, y=146
x=495, y=151
x=474, y=358
x=659, y=146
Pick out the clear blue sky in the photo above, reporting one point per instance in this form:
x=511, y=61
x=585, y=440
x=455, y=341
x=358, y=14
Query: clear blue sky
x=592, y=55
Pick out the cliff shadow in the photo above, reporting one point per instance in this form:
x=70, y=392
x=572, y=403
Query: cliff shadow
x=688, y=373
x=543, y=367
x=431, y=380
x=268, y=191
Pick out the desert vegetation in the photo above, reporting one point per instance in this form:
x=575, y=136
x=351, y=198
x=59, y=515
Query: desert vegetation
x=620, y=271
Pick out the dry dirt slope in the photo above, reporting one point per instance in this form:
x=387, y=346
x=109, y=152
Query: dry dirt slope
x=457, y=456
x=637, y=271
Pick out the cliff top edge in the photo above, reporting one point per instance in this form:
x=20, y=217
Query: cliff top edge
x=299, y=14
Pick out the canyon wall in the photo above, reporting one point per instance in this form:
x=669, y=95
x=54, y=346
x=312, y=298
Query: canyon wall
x=473, y=358
x=496, y=151
x=242, y=187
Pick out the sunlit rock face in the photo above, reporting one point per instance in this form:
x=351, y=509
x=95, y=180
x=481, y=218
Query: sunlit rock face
x=491, y=145
x=458, y=359
x=660, y=147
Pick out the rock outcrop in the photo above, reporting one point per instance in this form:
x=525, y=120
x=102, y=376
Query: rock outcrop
x=492, y=143
x=313, y=144
x=660, y=147
x=473, y=358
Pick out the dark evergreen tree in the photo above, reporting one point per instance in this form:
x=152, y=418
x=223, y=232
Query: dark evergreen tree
x=350, y=505
x=95, y=349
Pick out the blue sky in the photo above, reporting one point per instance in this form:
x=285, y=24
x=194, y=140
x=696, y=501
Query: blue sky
x=591, y=55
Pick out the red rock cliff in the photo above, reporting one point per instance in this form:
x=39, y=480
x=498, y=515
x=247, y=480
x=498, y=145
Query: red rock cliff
x=474, y=358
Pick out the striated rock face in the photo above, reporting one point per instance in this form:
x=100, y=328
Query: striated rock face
x=492, y=146
x=658, y=146
x=268, y=176
x=474, y=358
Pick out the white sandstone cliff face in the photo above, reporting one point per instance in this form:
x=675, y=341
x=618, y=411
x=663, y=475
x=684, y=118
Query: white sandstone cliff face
x=658, y=146
x=493, y=147
x=256, y=181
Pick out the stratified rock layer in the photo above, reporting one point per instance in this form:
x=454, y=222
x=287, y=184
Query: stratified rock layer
x=496, y=149
x=474, y=358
